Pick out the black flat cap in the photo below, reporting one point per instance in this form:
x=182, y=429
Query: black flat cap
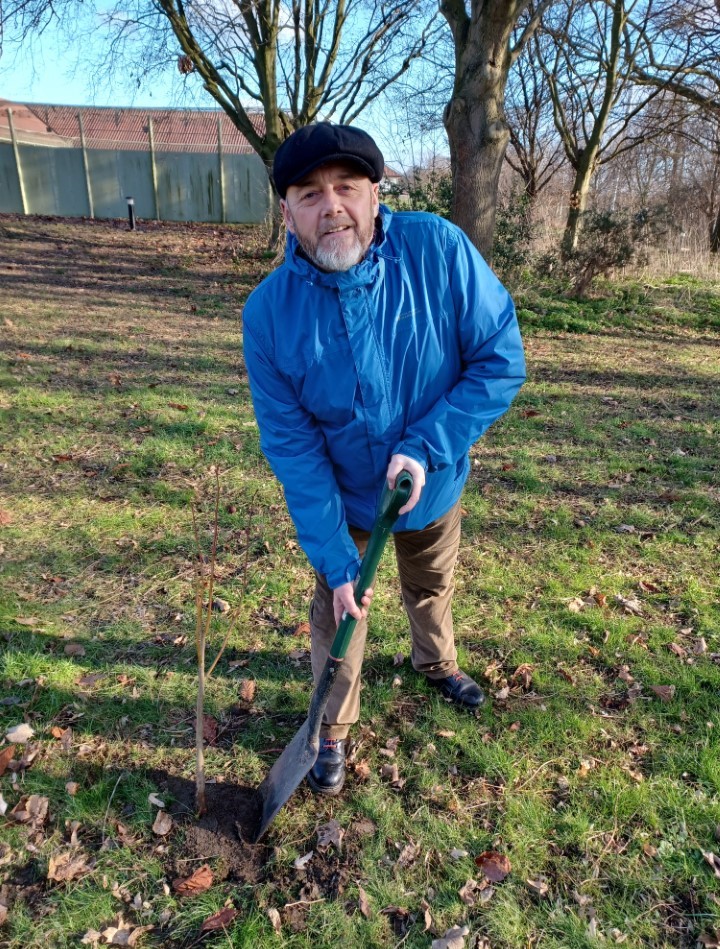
x=315, y=145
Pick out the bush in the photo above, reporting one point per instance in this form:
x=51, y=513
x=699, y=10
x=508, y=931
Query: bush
x=608, y=240
x=425, y=191
x=513, y=234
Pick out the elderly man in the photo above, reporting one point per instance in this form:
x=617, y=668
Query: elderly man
x=384, y=342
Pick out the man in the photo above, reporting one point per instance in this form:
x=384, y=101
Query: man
x=384, y=342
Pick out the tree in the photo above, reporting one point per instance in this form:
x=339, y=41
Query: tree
x=536, y=152
x=291, y=62
x=485, y=49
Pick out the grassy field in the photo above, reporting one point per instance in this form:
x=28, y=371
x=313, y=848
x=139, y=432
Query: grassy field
x=588, y=606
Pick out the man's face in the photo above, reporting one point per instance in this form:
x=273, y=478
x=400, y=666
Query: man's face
x=332, y=213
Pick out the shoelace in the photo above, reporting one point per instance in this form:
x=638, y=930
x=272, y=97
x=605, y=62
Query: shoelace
x=329, y=744
x=458, y=676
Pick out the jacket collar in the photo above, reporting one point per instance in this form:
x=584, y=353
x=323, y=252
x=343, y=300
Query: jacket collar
x=360, y=275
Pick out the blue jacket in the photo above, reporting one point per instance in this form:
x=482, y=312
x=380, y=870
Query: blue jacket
x=415, y=350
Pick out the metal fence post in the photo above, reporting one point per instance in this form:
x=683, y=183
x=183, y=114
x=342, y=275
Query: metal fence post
x=153, y=168
x=221, y=170
x=86, y=166
x=18, y=166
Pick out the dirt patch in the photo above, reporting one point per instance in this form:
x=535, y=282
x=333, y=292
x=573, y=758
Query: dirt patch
x=222, y=834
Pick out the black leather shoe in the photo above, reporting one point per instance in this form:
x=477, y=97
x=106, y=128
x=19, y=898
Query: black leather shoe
x=460, y=689
x=328, y=773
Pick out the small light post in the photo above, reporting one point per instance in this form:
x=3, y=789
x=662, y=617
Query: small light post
x=131, y=212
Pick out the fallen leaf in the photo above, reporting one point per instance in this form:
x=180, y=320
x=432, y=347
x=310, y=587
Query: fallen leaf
x=467, y=893
x=5, y=518
x=678, y=650
x=90, y=680
x=364, y=903
x=74, y=649
x=398, y=659
x=179, y=406
x=529, y=413
x=699, y=646
x=300, y=862
x=3, y=806
x=408, y=855
x=125, y=935
x=219, y=920
x=523, y=675
x=649, y=850
x=330, y=834
x=503, y=694
x=495, y=866
x=364, y=827
x=72, y=787
x=444, y=733
x=19, y=734
x=625, y=529
x=455, y=938
x=210, y=729
x=198, y=882
x=6, y=757
x=91, y=938
x=576, y=605
x=163, y=824
x=62, y=458
x=302, y=629
x=3, y=913
x=67, y=866
x=362, y=770
x=665, y=693
x=392, y=744
x=710, y=940
x=247, y=689
x=31, y=809
x=220, y=606
x=274, y=917
x=27, y=620
x=713, y=861
x=538, y=886
x=155, y=800
x=630, y=604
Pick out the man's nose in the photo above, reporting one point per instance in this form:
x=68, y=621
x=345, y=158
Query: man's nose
x=330, y=203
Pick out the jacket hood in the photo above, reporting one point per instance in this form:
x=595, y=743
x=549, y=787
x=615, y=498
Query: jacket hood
x=360, y=275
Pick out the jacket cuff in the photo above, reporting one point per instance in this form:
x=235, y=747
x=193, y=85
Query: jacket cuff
x=336, y=578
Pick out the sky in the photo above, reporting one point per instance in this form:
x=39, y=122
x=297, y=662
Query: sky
x=55, y=71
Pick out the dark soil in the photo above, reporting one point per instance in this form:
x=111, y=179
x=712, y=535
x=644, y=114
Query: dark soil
x=222, y=834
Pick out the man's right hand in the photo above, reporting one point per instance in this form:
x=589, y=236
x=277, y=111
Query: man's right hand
x=344, y=601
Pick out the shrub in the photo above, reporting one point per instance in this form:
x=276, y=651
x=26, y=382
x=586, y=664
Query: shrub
x=513, y=234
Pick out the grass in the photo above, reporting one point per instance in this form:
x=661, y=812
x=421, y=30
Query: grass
x=122, y=384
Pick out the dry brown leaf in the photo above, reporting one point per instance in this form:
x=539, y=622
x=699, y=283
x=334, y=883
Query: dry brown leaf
x=210, y=729
x=523, y=675
x=6, y=757
x=247, y=689
x=444, y=733
x=495, y=866
x=180, y=406
x=5, y=518
x=665, y=693
x=364, y=827
x=219, y=920
x=455, y=938
x=362, y=770
x=398, y=659
x=710, y=940
x=124, y=935
x=538, y=886
x=408, y=855
x=72, y=788
x=302, y=629
x=274, y=917
x=27, y=620
x=67, y=866
x=163, y=824
x=392, y=744
x=364, y=903
x=3, y=913
x=679, y=650
x=630, y=604
x=330, y=834
x=713, y=861
x=198, y=882
x=74, y=649
x=31, y=809
x=19, y=734
x=467, y=893
x=649, y=850
x=90, y=680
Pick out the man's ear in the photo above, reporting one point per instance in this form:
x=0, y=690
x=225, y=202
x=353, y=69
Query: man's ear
x=376, y=199
x=287, y=216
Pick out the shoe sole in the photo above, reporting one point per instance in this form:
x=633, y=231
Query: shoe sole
x=323, y=789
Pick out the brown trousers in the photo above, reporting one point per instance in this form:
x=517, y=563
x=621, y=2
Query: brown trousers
x=426, y=563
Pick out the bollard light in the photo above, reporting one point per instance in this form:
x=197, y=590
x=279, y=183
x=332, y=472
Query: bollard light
x=131, y=212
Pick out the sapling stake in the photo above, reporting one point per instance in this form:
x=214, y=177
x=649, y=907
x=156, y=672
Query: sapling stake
x=204, y=590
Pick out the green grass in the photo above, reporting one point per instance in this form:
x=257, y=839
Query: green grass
x=603, y=477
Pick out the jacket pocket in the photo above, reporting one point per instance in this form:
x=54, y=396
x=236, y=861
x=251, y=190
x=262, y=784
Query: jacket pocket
x=330, y=388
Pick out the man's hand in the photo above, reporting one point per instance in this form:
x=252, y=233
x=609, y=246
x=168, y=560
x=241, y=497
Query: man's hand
x=400, y=463
x=344, y=601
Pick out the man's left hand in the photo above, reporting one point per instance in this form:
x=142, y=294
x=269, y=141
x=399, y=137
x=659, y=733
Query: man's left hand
x=400, y=463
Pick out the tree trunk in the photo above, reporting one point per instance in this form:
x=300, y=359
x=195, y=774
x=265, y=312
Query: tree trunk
x=578, y=201
x=478, y=136
x=715, y=235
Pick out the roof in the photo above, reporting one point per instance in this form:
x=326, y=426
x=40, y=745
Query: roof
x=184, y=130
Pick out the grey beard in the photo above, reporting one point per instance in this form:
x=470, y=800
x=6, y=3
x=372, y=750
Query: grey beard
x=335, y=260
